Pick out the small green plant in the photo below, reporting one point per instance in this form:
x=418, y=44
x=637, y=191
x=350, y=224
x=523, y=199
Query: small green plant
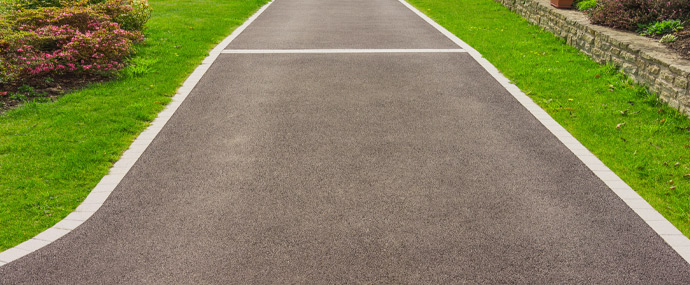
x=669, y=38
x=19, y=97
x=41, y=99
x=586, y=5
x=661, y=28
x=138, y=66
x=26, y=89
x=26, y=93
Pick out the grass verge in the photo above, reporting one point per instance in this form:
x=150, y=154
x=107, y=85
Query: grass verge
x=53, y=154
x=643, y=141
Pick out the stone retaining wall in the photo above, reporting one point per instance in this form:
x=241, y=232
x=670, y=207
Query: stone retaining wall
x=645, y=60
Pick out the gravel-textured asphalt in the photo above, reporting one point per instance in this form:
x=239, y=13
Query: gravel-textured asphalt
x=354, y=168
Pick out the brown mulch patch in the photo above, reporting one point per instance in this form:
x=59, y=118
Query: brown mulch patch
x=14, y=95
x=682, y=44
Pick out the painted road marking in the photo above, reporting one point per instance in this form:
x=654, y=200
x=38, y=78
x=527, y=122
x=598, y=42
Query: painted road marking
x=290, y=51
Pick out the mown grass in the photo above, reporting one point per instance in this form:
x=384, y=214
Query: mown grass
x=650, y=149
x=53, y=154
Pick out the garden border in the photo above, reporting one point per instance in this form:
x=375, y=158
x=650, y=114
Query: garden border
x=108, y=183
x=645, y=60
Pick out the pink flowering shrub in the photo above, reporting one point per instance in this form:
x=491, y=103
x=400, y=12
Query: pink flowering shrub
x=74, y=41
x=132, y=15
x=630, y=14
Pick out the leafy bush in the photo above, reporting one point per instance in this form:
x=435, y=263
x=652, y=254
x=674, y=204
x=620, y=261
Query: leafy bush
x=661, y=28
x=33, y=4
x=67, y=41
x=130, y=14
x=627, y=14
x=586, y=5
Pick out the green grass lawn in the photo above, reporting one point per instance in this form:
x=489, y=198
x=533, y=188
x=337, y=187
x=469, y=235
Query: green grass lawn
x=651, y=148
x=53, y=154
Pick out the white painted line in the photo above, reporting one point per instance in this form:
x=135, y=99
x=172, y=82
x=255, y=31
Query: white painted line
x=661, y=225
x=289, y=51
x=108, y=183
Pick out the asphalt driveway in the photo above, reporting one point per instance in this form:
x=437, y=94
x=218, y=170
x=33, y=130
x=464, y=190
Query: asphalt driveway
x=361, y=165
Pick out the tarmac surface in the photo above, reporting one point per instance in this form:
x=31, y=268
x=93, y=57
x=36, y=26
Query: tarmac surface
x=387, y=168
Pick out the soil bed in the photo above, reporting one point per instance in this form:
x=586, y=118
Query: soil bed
x=682, y=44
x=12, y=96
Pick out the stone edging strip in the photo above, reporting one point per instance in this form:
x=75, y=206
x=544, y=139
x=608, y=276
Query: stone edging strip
x=106, y=186
x=679, y=242
x=645, y=60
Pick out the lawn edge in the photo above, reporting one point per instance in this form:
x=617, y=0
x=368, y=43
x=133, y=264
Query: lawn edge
x=109, y=182
x=657, y=222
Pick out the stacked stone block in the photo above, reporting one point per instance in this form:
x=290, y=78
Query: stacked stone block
x=645, y=60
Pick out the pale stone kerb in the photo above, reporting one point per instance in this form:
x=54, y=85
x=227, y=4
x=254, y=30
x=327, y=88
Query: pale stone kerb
x=644, y=60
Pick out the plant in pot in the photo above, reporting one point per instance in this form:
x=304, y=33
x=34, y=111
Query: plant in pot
x=562, y=4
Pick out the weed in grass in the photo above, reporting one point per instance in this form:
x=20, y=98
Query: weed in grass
x=649, y=132
x=137, y=67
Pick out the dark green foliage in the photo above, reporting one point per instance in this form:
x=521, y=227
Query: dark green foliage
x=661, y=28
x=629, y=14
x=586, y=5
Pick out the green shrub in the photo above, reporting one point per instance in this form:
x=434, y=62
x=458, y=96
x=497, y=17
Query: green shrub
x=586, y=5
x=132, y=15
x=35, y=4
x=629, y=14
x=78, y=18
x=72, y=41
x=63, y=38
x=661, y=28
x=32, y=4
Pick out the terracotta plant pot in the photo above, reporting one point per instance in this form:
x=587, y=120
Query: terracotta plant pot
x=562, y=4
